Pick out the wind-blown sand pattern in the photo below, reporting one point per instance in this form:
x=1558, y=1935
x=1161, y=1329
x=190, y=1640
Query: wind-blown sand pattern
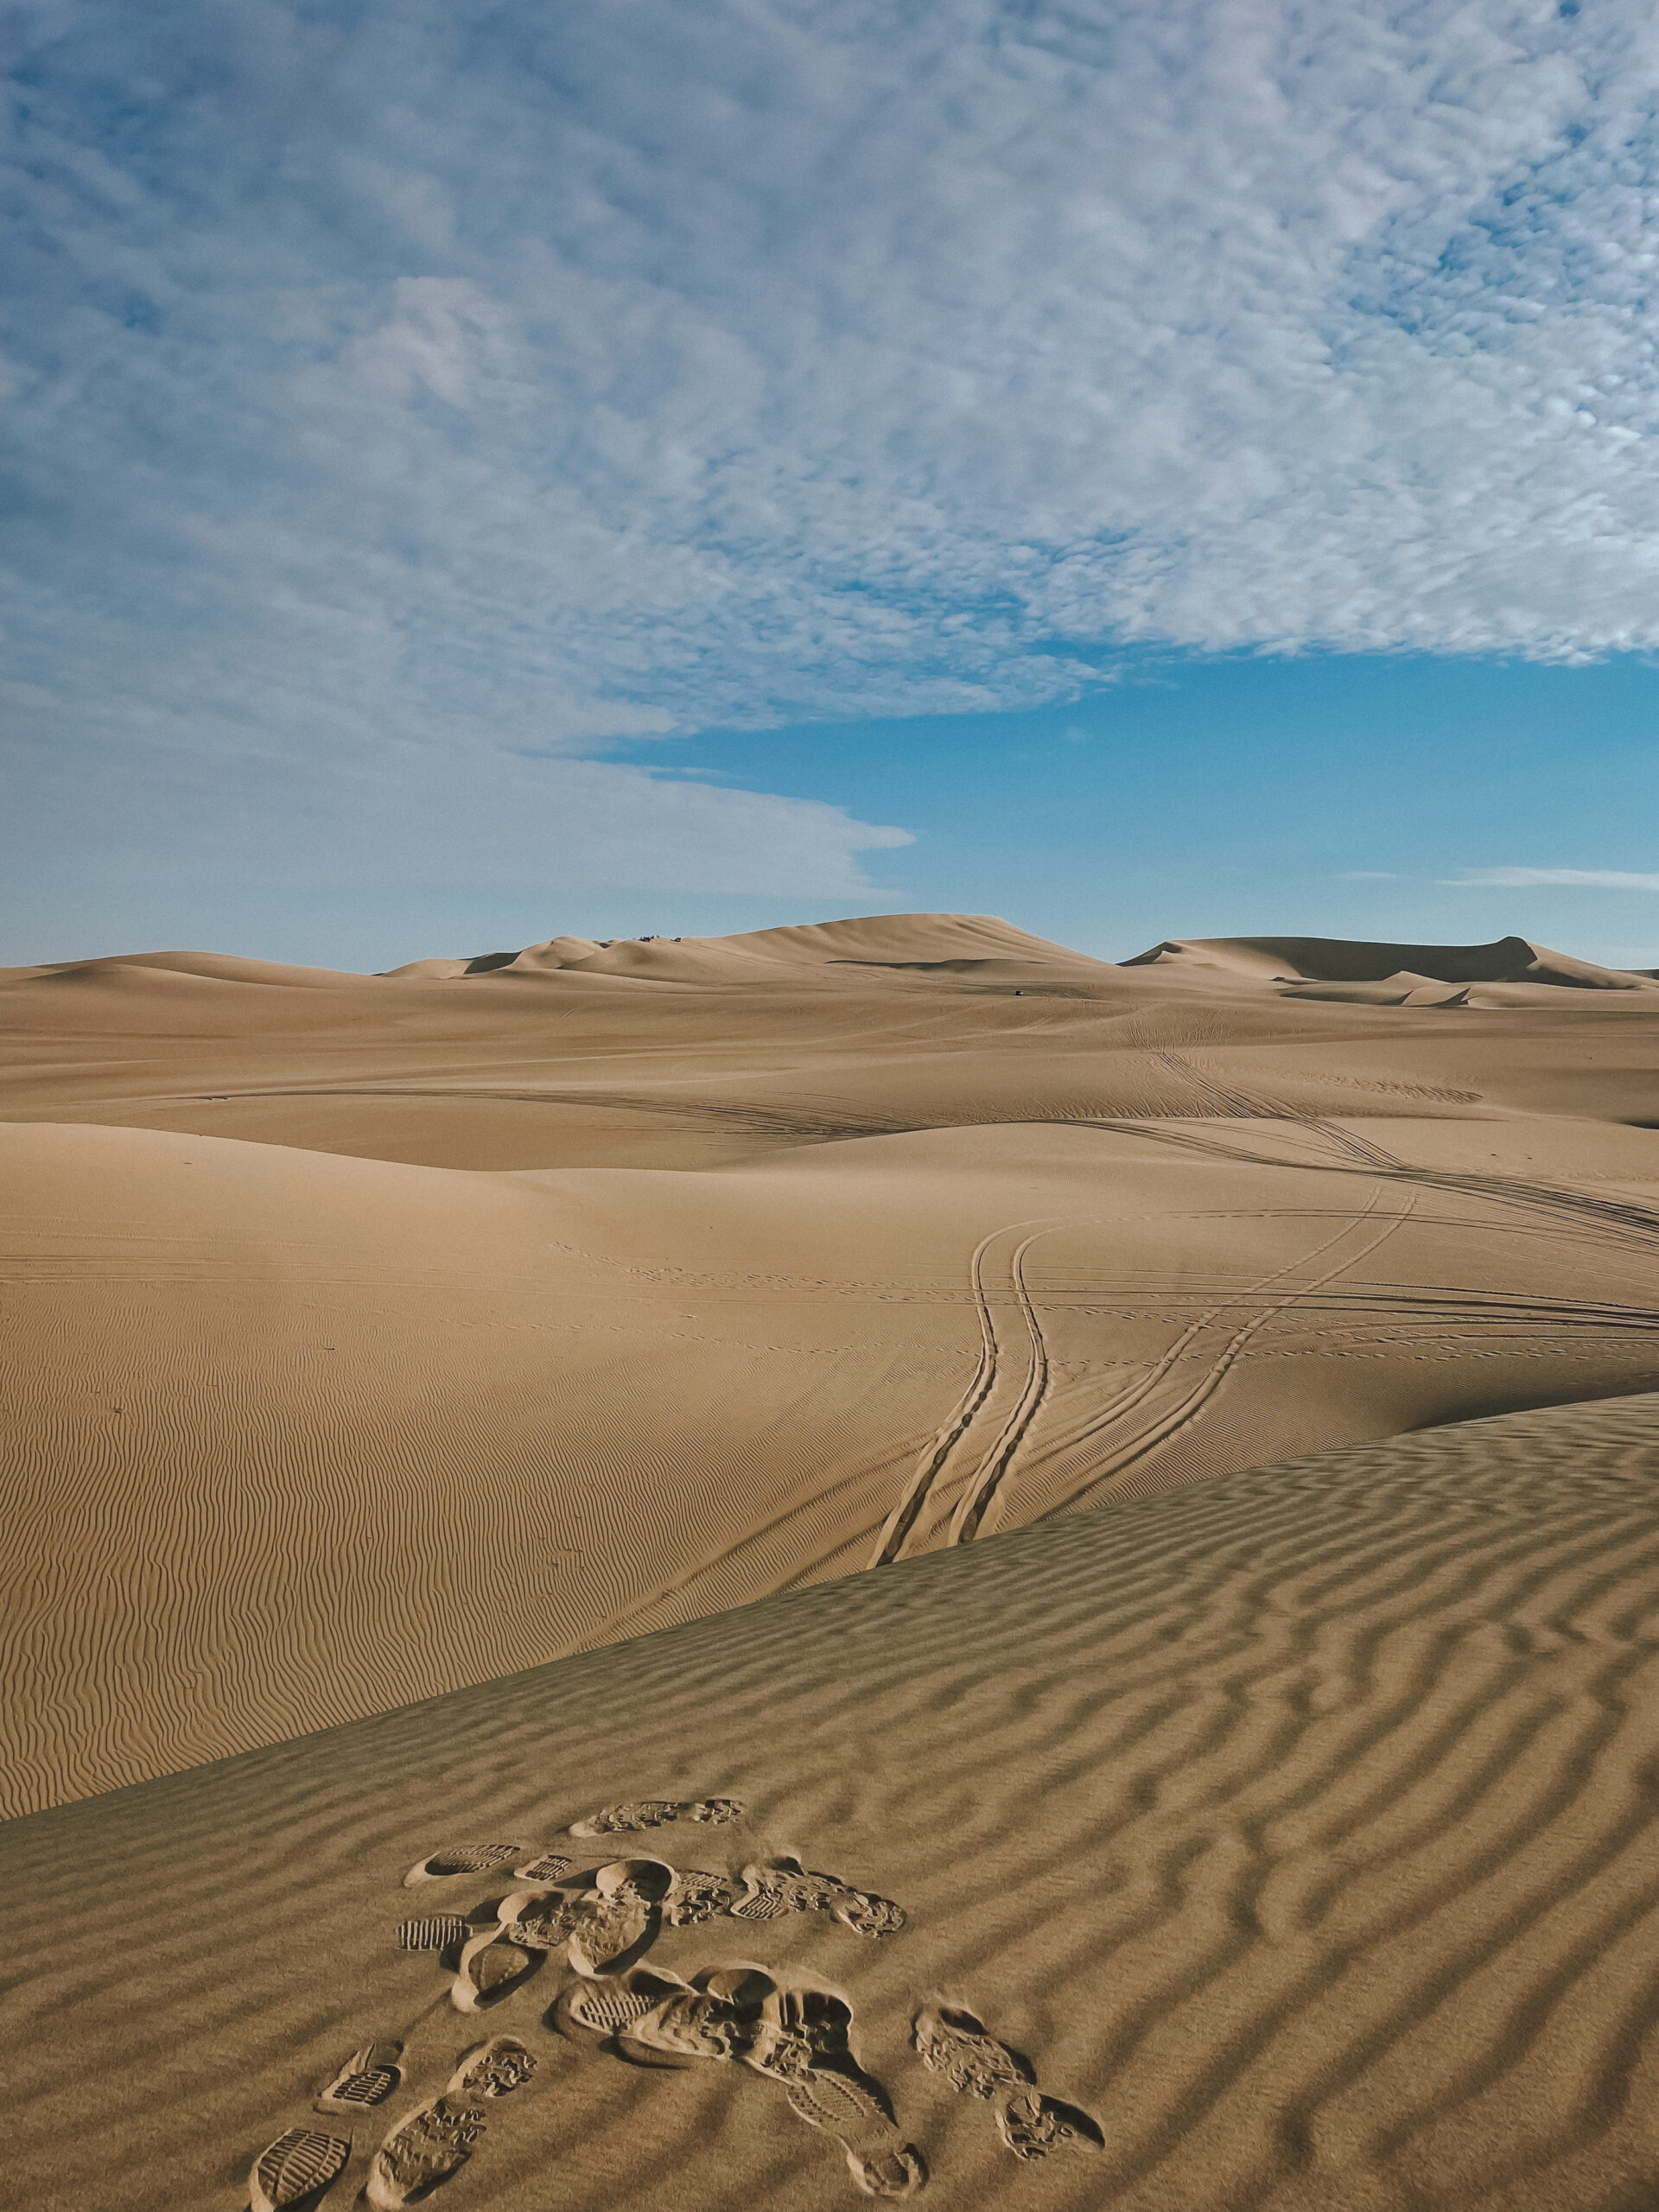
x=1298, y=1829
x=367, y=1337
x=926, y=1566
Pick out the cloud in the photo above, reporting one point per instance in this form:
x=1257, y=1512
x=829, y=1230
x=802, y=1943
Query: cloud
x=492, y=380
x=410, y=814
x=1368, y=876
x=1592, y=878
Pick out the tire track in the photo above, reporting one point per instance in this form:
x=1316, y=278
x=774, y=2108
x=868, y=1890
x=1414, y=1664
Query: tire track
x=977, y=1499
x=1190, y=1408
x=913, y=1499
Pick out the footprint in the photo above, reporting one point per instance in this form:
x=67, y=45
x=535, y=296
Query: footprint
x=437, y=2138
x=658, y=1812
x=952, y=2040
x=805, y=2042
x=799, y=2038
x=434, y=1935
x=297, y=2166
x=491, y=1967
x=494, y=2068
x=596, y=2012
x=539, y=1920
x=619, y=1921
x=368, y=2077
x=698, y=1894
x=1033, y=2125
x=551, y=1866
x=463, y=1859
x=777, y=1887
x=715, y=2017
x=423, y=2151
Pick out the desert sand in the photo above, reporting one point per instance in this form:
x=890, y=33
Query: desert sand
x=1142, y=1474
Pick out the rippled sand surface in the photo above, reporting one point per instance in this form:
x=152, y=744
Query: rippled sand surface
x=1299, y=1827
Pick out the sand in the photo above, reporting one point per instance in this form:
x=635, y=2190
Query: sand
x=1297, y=1827
x=1230, y=1362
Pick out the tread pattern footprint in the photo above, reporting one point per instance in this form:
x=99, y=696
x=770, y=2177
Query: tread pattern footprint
x=434, y=1935
x=463, y=1859
x=658, y=1812
x=298, y=2166
x=437, y=2138
x=777, y=1887
x=954, y=2041
x=698, y=1894
x=551, y=1866
x=366, y=2079
x=539, y=1920
x=798, y=2036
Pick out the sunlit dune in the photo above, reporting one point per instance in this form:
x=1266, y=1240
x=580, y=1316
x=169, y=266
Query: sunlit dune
x=1140, y=1471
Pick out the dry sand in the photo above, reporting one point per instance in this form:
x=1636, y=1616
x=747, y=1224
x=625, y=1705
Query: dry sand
x=1299, y=1826
x=368, y=1338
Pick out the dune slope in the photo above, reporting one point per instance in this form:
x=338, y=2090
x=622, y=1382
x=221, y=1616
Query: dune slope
x=1297, y=1829
x=294, y=1438
x=365, y=1336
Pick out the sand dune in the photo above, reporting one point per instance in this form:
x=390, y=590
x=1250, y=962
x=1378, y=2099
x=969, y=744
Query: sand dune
x=1295, y=960
x=1296, y=1828
x=277, y=1416
x=926, y=1566
x=571, y=1304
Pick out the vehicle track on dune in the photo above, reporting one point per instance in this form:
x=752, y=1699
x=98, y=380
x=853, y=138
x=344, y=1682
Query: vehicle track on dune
x=1187, y=1409
x=958, y=1429
x=977, y=1507
x=979, y=1497
x=1544, y=1208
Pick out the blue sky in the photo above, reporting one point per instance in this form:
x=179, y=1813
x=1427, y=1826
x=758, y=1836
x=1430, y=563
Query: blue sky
x=480, y=470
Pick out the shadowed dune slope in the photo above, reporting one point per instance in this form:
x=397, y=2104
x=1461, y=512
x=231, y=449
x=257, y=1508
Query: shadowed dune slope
x=1300, y=1827
x=1343, y=960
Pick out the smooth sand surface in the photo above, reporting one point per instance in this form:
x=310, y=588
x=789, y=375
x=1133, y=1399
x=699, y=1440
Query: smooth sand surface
x=602, y=1289
x=1296, y=1828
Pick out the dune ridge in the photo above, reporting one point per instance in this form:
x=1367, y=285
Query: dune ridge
x=1298, y=1826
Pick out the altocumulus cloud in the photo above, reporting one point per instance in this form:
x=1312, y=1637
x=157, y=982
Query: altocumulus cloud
x=410, y=398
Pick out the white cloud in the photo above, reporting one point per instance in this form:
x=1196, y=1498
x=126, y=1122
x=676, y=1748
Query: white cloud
x=487, y=380
x=1368, y=876
x=1590, y=879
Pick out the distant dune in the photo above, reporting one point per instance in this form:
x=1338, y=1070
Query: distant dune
x=1402, y=971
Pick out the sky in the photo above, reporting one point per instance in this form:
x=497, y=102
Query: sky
x=476, y=470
